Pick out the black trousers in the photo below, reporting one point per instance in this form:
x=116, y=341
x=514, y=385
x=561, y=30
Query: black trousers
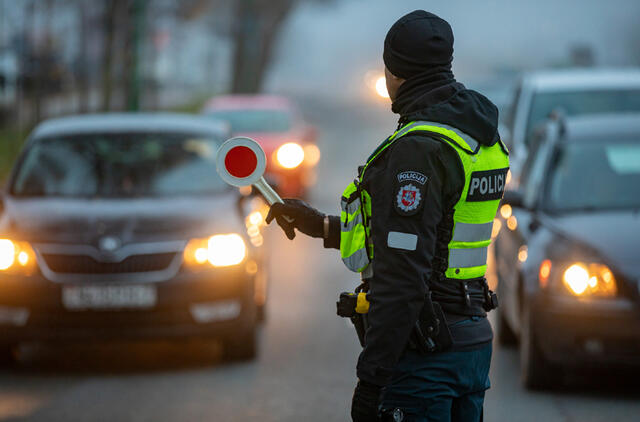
x=442, y=387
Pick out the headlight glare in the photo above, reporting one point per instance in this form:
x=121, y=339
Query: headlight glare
x=311, y=155
x=7, y=254
x=576, y=278
x=16, y=257
x=591, y=279
x=290, y=155
x=226, y=250
x=201, y=255
x=221, y=250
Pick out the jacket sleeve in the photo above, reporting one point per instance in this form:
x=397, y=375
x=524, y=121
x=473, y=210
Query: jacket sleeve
x=333, y=240
x=407, y=205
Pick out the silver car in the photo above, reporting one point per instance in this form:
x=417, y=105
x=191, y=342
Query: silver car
x=574, y=92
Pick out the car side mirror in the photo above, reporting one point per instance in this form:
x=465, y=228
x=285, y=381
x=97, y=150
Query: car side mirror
x=513, y=198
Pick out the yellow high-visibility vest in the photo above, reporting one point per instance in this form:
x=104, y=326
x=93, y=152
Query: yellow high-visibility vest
x=485, y=170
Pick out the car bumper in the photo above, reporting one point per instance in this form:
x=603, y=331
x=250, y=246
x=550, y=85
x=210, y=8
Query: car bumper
x=205, y=304
x=574, y=332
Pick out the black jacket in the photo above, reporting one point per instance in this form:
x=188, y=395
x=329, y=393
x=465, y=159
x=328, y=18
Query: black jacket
x=400, y=271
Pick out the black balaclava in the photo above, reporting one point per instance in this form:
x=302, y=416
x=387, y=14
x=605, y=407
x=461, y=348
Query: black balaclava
x=419, y=48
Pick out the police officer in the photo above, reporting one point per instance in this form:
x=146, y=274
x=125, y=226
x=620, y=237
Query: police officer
x=416, y=223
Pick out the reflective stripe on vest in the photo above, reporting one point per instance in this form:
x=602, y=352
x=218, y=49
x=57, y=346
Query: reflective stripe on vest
x=353, y=232
x=466, y=258
x=465, y=232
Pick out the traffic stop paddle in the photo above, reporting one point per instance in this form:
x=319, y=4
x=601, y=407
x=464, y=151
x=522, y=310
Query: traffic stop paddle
x=241, y=162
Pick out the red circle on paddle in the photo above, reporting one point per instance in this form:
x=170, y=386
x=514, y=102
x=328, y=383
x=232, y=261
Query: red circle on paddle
x=241, y=161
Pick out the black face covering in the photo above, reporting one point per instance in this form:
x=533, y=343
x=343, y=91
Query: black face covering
x=426, y=89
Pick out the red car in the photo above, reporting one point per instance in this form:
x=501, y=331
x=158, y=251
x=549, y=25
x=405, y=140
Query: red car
x=273, y=121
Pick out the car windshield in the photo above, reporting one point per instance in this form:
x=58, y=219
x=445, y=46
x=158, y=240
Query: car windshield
x=247, y=121
x=576, y=103
x=594, y=176
x=114, y=165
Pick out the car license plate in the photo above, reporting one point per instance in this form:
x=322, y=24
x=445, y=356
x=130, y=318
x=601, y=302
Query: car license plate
x=109, y=297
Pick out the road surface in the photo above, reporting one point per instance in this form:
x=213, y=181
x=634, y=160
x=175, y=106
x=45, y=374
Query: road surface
x=306, y=367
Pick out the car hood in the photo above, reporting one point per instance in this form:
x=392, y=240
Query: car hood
x=130, y=220
x=614, y=235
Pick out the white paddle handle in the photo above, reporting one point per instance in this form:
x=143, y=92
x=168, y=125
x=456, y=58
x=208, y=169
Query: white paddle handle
x=267, y=191
x=270, y=195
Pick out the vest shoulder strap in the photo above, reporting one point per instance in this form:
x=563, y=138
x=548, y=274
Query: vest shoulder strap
x=503, y=146
x=441, y=131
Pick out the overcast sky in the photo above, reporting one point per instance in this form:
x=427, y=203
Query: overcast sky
x=328, y=47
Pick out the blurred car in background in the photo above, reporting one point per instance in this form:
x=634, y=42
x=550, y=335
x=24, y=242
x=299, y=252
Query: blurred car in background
x=118, y=226
x=567, y=251
x=273, y=121
x=573, y=91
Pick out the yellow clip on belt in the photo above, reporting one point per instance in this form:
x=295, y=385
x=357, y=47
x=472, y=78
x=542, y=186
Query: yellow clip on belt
x=362, y=304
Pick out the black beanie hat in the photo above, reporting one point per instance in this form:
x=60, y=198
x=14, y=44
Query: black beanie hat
x=417, y=42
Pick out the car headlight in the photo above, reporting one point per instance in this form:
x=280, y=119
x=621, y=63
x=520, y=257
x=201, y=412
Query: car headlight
x=221, y=250
x=290, y=155
x=311, y=155
x=589, y=279
x=16, y=257
x=7, y=254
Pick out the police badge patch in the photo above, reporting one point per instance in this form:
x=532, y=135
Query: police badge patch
x=408, y=199
x=411, y=188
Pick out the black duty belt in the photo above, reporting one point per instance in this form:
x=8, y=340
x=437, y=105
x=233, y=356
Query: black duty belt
x=464, y=297
x=431, y=332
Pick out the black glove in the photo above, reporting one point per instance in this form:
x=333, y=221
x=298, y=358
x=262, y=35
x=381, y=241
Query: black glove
x=365, y=403
x=305, y=218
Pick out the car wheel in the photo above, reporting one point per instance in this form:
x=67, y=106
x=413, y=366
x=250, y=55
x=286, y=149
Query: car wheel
x=535, y=371
x=506, y=336
x=242, y=346
x=7, y=354
x=262, y=313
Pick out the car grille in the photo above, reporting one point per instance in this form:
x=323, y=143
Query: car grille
x=82, y=264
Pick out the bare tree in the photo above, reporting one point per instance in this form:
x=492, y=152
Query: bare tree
x=253, y=29
x=109, y=23
x=82, y=75
x=257, y=24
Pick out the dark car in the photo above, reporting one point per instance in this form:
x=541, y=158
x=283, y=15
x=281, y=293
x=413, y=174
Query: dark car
x=568, y=252
x=117, y=226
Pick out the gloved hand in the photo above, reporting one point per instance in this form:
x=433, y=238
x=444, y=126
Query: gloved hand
x=365, y=403
x=305, y=218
